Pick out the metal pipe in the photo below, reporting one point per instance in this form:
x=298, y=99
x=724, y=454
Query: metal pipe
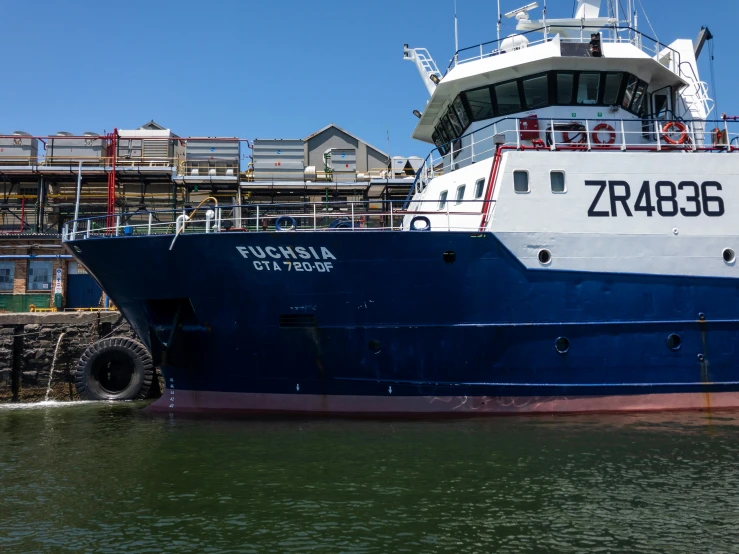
x=37, y=257
x=77, y=201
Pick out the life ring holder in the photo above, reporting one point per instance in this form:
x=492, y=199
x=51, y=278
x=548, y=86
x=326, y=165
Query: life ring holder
x=420, y=219
x=286, y=223
x=603, y=127
x=675, y=126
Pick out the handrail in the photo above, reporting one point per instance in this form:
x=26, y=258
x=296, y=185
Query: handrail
x=456, y=60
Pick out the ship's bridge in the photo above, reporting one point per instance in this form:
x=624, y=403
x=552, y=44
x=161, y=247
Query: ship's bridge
x=580, y=70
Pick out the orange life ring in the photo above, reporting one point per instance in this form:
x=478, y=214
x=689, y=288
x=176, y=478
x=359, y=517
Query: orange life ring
x=603, y=127
x=675, y=126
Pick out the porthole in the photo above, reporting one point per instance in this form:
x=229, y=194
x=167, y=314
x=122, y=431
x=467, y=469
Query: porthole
x=449, y=257
x=545, y=257
x=729, y=255
x=674, y=342
x=375, y=346
x=562, y=345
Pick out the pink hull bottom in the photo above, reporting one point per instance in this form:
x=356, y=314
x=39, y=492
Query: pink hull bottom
x=198, y=401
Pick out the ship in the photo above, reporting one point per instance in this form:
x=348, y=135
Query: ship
x=568, y=246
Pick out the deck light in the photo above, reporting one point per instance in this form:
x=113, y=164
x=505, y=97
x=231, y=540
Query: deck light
x=434, y=78
x=417, y=114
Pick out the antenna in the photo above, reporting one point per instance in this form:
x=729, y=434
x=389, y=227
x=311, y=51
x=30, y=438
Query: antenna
x=523, y=10
x=498, y=24
x=456, y=31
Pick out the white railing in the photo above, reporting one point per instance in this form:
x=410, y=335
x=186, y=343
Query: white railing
x=578, y=135
x=493, y=47
x=292, y=217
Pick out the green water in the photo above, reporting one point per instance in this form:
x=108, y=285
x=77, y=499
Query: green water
x=106, y=478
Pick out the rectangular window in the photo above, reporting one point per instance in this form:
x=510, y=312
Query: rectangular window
x=39, y=275
x=629, y=94
x=521, y=181
x=639, y=98
x=456, y=125
x=440, y=143
x=461, y=112
x=557, y=179
x=7, y=273
x=536, y=91
x=509, y=101
x=448, y=128
x=479, y=186
x=460, y=194
x=565, y=82
x=587, y=88
x=613, y=86
x=480, y=103
x=442, y=200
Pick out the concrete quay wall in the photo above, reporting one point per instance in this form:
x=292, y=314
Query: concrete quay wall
x=27, y=344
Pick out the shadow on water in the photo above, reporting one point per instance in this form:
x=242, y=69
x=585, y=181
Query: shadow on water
x=109, y=478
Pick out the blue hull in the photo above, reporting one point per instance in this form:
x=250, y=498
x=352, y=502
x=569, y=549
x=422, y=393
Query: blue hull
x=377, y=314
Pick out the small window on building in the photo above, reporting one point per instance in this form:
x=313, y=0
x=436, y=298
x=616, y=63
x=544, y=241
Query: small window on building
x=521, y=181
x=460, y=194
x=479, y=186
x=7, y=273
x=536, y=91
x=480, y=104
x=461, y=112
x=442, y=200
x=565, y=82
x=509, y=101
x=587, y=88
x=557, y=179
x=629, y=94
x=613, y=86
x=39, y=275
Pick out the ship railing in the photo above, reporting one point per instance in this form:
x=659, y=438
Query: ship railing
x=609, y=34
x=665, y=134
x=386, y=215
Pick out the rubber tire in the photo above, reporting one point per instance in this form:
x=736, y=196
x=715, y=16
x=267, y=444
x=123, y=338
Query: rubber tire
x=90, y=388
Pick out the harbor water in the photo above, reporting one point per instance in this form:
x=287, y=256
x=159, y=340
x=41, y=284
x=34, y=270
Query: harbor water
x=98, y=477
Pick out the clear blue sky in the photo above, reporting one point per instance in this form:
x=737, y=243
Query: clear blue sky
x=268, y=69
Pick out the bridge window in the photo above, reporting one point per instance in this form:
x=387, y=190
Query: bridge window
x=481, y=106
x=442, y=200
x=457, y=128
x=7, y=273
x=461, y=112
x=557, y=180
x=629, y=93
x=587, y=88
x=521, y=181
x=536, y=91
x=479, y=185
x=460, y=194
x=639, y=97
x=612, y=88
x=565, y=86
x=508, y=98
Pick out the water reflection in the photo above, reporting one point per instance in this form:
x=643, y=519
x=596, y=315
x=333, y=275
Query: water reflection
x=107, y=477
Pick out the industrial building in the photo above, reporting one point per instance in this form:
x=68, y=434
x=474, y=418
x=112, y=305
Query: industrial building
x=129, y=173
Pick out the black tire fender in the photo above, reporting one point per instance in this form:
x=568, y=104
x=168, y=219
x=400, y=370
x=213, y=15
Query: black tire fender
x=116, y=368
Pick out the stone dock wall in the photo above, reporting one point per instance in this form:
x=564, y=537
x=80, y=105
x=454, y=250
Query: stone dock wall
x=28, y=342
